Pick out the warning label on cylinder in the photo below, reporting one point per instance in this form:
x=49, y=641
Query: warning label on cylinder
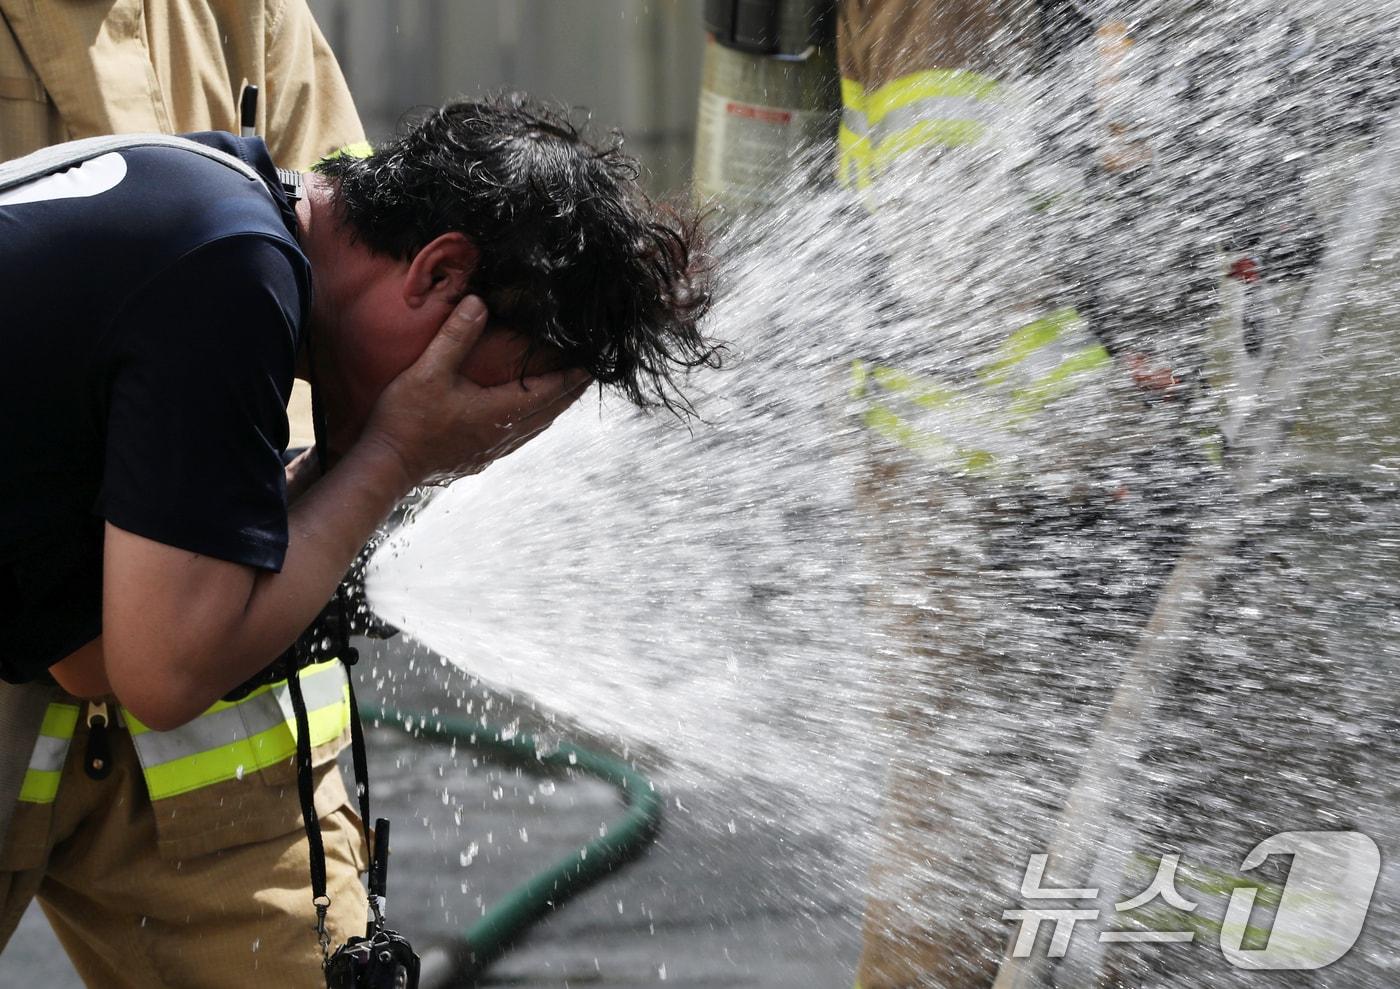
x=746, y=151
x=763, y=114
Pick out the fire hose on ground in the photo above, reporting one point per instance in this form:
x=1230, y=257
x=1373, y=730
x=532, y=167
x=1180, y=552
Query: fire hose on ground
x=461, y=961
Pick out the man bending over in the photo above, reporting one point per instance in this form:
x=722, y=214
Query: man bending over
x=447, y=297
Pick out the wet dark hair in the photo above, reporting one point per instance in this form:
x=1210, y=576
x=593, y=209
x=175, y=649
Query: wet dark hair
x=574, y=255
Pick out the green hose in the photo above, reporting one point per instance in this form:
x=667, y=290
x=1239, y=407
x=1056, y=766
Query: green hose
x=487, y=939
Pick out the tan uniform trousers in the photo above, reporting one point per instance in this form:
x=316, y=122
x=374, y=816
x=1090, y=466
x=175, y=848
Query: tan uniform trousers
x=931, y=918
x=131, y=918
x=991, y=690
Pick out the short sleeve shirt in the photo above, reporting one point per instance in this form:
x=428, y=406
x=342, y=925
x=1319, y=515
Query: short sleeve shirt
x=152, y=304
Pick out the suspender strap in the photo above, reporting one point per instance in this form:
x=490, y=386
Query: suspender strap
x=306, y=790
x=358, y=755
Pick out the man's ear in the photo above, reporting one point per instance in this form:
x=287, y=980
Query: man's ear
x=441, y=272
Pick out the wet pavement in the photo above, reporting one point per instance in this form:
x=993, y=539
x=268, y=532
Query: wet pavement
x=725, y=897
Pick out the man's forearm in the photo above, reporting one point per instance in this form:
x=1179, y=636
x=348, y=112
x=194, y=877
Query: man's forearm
x=327, y=528
x=202, y=647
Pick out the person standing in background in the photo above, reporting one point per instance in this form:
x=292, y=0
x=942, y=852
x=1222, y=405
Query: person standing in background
x=72, y=70
x=1004, y=445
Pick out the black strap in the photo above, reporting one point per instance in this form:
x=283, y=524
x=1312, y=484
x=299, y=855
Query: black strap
x=346, y=653
x=359, y=756
x=306, y=790
x=357, y=752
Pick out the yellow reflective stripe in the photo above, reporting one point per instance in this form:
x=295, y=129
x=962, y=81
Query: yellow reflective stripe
x=60, y=720
x=1031, y=399
x=864, y=151
x=1027, y=340
x=925, y=394
x=946, y=108
x=929, y=84
x=944, y=133
x=1020, y=404
x=859, y=377
x=882, y=420
x=887, y=424
x=215, y=729
x=271, y=737
x=39, y=786
x=259, y=751
x=858, y=160
x=893, y=380
x=853, y=160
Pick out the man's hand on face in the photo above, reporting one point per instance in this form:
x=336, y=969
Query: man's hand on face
x=439, y=424
x=181, y=629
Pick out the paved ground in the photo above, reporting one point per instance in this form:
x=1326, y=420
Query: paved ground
x=706, y=907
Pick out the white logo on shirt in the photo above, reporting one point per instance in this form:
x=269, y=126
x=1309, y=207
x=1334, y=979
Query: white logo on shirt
x=92, y=178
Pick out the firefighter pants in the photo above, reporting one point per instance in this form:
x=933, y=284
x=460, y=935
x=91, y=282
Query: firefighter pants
x=127, y=917
x=996, y=610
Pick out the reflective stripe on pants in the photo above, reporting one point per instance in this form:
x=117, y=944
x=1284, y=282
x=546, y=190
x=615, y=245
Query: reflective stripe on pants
x=233, y=738
x=228, y=740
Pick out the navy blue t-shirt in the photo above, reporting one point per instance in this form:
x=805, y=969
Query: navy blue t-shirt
x=151, y=305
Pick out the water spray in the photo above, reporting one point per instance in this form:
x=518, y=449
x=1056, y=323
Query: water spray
x=712, y=588
x=1082, y=844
